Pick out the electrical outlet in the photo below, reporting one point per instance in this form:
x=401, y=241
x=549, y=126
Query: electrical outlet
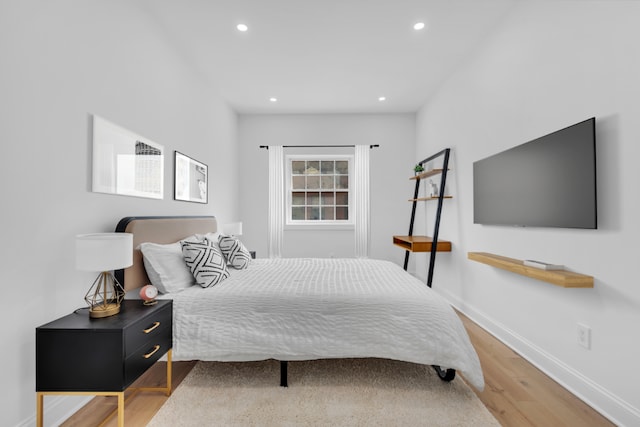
x=584, y=336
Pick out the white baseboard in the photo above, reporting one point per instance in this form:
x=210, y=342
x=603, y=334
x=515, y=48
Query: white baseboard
x=618, y=411
x=57, y=409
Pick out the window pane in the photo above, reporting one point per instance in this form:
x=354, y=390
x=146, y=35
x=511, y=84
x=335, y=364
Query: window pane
x=327, y=198
x=313, y=167
x=313, y=182
x=342, y=181
x=342, y=198
x=297, y=167
x=342, y=213
x=297, y=198
x=342, y=167
x=319, y=190
x=328, y=213
x=313, y=213
x=326, y=167
x=297, y=213
x=298, y=182
x=313, y=198
x=327, y=182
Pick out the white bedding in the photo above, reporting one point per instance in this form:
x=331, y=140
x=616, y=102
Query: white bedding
x=304, y=309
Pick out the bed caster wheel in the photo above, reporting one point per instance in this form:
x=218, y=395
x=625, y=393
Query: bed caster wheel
x=445, y=374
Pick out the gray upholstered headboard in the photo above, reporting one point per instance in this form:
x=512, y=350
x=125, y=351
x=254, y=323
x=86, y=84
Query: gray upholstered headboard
x=157, y=229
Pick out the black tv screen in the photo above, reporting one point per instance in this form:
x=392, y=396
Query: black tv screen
x=547, y=182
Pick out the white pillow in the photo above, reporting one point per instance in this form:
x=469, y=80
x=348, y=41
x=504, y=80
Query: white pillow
x=166, y=267
x=211, y=237
x=206, y=262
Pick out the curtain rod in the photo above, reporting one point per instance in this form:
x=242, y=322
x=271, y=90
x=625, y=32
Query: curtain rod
x=319, y=146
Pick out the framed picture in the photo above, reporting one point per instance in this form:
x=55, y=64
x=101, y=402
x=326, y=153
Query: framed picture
x=126, y=163
x=191, y=181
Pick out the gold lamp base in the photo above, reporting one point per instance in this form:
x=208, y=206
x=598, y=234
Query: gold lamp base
x=105, y=310
x=104, y=296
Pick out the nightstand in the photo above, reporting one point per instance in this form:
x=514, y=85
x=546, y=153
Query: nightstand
x=77, y=355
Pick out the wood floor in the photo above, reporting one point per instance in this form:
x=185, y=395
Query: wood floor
x=519, y=394
x=516, y=393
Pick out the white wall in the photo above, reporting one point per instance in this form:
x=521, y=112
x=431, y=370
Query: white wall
x=391, y=165
x=550, y=65
x=62, y=61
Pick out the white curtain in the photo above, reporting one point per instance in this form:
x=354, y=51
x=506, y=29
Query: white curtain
x=276, y=200
x=361, y=200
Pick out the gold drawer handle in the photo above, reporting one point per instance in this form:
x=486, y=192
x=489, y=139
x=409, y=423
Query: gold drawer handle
x=155, y=349
x=155, y=325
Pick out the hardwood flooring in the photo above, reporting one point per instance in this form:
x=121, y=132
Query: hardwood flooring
x=519, y=394
x=139, y=407
x=516, y=393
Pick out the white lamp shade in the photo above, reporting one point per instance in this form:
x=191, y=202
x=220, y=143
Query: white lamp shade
x=232, y=229
x=104, y=251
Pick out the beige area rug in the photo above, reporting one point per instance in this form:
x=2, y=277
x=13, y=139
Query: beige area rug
x=338, y=392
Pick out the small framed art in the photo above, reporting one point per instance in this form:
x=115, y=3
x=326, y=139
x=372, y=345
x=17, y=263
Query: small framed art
x=191, y=180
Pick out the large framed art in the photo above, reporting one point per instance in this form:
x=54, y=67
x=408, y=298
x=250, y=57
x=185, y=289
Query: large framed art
x=191, y=179
x=126, y=163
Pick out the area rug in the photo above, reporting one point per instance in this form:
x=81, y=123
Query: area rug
x=336, y=392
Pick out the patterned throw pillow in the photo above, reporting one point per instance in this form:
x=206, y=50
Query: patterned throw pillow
x=234, y=251
x=206, y=263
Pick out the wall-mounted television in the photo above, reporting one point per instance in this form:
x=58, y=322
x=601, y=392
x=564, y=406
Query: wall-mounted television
x=547, y=182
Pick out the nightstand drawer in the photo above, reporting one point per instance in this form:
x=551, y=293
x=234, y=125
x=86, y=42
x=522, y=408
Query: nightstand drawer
x=157, y=326
x=137, y=363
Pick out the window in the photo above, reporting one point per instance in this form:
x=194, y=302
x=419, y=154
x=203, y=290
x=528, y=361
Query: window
x=319, y=189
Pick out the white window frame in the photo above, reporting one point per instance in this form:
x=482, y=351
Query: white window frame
x=323, y=224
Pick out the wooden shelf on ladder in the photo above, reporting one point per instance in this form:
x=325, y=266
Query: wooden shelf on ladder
x=431, y=244
x=420, y=243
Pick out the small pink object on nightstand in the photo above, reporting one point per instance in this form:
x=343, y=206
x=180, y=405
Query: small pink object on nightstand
x=148, y=294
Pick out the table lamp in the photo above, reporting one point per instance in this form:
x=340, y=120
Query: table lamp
x=104, y=252
x=232, y=229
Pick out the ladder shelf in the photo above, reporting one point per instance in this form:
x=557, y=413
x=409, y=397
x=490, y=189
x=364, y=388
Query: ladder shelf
x=431, y=244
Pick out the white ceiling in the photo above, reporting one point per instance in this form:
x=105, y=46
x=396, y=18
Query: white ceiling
x=326, y=56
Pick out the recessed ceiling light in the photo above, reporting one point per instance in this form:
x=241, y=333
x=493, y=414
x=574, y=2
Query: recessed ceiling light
x=242, y=27
x=418, y=26
x=273, y=99
x=382, y=98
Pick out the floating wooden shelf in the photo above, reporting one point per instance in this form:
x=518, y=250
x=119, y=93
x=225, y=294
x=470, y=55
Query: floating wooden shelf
x=427, y=174
x=566, y=279
x=424, y=199
x=420, y=243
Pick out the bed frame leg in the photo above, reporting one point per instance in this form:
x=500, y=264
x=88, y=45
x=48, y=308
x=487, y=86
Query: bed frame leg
x=445, y=374
x=283, y=374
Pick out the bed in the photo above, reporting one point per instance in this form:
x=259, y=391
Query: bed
x=292, y=309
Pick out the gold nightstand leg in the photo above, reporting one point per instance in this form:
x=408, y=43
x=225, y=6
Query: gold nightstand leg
x=120, y=409
x=168, y=392
x=39, y=409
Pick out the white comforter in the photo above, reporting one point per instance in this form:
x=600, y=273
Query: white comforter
x=304, y=309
